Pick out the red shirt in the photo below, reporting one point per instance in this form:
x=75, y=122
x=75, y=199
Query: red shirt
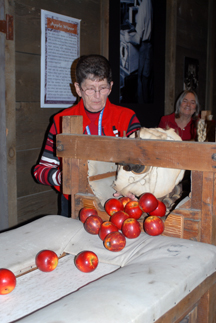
x=188, y=133
x=48, y=170
x=123, y=119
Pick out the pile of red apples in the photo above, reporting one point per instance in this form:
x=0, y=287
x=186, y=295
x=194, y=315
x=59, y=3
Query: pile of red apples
x=123, y=223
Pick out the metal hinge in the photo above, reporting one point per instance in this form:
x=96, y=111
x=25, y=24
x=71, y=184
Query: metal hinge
x=6, y=26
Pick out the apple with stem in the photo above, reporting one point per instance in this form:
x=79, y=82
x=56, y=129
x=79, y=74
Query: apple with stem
x=133, y=209
x=131, y=228
x=86, y=261
x=46, y=260
x=106, y=228
x=153, y=225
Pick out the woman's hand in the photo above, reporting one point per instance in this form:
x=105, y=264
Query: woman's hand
x=129, y=194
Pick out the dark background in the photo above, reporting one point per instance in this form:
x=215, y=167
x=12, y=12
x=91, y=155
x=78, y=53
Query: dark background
x=149, y=114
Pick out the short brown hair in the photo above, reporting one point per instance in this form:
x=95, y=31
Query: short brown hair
x=94, y=67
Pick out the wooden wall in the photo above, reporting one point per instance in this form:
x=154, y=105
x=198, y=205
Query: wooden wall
x=187, y=34
x=32, y=121
x=192, y=35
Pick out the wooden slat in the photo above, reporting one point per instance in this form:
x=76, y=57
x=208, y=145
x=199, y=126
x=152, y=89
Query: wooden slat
x=84, y=186
x=196, y=189
x=194, y=38
x=26, y=184
x=174, y=226
x=74, y=184
x=179, y=311
x=192, y=223
x=104, y=27
x=214, y=195
x=4, y=218
x=36, y=205
x=207, y=201
x=32, y=124
x=28, y=31
x=27, y=83
x=139, y=151
x=189, y=214
x=170, y=66
x=102, y=176
x=10, y=95
x=207, y=308
x=72, y=124
x=86, y=200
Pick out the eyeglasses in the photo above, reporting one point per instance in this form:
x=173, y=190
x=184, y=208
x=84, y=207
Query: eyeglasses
x=103, y=90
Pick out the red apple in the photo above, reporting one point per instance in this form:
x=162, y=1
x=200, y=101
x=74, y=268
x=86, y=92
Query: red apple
x=85, y=212
x=133, y=210
x=160, y=209
x=131, y=228
x=148, y=202
x=86, y=261
x=92, y=224
x=105, y=228
x=46, y=260
x=7, y=281
x=115, y=241
x=113, y=205
x=118, y=218
x=125, y=200
x=153, y=225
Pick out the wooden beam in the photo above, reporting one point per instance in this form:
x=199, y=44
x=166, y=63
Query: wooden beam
x=69, y=125
x=104, y=27
x=168, y=154
x=8, y=212
x=207, y=208
x=70, y=166
x=3, y=139
x=170, y=55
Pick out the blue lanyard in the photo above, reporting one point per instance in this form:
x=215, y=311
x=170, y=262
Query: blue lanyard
x=99, y=125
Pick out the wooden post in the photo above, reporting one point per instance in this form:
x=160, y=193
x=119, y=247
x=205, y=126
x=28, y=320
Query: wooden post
x=170, y=67
x=8, y=190
x=70, y=166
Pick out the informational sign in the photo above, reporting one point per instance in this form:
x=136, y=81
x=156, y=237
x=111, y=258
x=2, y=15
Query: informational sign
x=60, y=47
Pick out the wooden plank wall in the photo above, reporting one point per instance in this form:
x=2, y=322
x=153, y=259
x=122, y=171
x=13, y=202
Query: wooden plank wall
x=189, y=39
x=3, y=139
x=192, y=32
x=32, y=122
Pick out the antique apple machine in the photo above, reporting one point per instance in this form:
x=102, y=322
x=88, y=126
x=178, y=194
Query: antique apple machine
x=154, y=279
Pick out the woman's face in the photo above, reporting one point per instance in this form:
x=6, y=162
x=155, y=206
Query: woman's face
x=188, y=106
x=99, y=91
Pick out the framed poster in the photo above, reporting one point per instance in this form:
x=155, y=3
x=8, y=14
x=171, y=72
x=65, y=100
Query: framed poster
x=137, y=57
x=191, y=71
x=60, y=47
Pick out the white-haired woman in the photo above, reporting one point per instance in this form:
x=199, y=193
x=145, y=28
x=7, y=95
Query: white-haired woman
x=184, y=119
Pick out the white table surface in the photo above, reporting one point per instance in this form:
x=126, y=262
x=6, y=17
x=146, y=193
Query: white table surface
x=37, y=289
